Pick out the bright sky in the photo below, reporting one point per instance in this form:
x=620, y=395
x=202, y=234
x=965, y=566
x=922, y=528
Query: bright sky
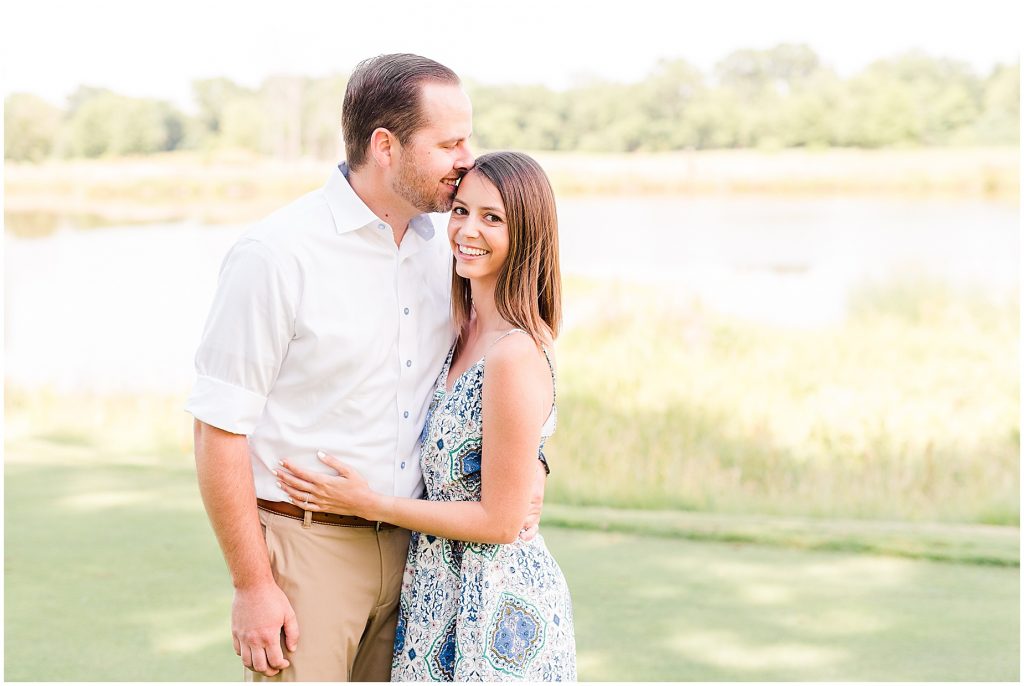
x=148, y=48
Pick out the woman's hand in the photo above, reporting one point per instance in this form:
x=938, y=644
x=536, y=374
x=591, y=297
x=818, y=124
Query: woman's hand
x=347, y=494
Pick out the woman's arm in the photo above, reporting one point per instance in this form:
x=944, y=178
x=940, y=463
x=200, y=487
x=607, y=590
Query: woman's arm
x=517, y=396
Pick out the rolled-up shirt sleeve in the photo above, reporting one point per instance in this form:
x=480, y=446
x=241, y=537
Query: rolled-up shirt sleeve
x=251, y=322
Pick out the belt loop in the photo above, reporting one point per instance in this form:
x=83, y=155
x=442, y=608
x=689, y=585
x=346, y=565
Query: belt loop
x=376, y=526
x=307, y=519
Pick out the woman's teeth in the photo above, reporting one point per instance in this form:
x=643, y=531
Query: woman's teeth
x=472, y=251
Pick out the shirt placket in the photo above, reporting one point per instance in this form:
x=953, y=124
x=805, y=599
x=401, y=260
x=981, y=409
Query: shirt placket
x=410, y=354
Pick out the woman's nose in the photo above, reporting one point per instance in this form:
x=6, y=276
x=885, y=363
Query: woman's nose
x=469, y=228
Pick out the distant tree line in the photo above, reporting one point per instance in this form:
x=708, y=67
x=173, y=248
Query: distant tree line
x=782, y=97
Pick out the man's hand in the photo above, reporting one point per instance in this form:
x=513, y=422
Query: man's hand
x=531, y=526
x=258, y=616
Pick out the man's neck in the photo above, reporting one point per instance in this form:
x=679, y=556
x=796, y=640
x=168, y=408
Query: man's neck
x=382, y=201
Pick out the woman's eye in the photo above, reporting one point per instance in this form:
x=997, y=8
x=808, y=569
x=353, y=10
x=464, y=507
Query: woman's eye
x=459, y=210
x=492, y=218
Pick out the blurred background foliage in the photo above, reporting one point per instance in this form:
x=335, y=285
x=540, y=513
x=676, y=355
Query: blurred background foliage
x=783, y=97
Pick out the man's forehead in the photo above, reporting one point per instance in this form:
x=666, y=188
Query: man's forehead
x=447, y=112
x=445, y=100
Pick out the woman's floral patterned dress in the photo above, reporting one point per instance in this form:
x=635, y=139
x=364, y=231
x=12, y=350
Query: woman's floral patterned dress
x=477, y=611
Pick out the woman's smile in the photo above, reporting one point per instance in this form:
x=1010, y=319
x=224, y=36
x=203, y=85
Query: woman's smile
x=468, y=252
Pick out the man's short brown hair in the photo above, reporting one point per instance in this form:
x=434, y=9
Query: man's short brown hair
x=384, y=92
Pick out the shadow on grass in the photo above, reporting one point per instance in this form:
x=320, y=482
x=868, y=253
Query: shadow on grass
x=653, y=609
x=112, y=573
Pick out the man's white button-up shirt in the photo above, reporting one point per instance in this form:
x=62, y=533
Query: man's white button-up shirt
x=325, y=335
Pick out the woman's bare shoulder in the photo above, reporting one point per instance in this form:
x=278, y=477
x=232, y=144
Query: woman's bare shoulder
x=518, y=355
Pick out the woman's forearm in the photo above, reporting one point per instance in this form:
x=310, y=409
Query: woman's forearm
x=462, y=521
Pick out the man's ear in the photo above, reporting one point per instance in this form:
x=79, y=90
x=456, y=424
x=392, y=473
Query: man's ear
x=383, y=146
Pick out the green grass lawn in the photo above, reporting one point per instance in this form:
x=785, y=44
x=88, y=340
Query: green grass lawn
x=112, y=573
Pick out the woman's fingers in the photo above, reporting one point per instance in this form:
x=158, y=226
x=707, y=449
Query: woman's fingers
x=292, y=476
x=334, y=463
x=303, y=499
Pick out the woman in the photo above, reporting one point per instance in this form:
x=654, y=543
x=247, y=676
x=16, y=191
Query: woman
x=478, y=603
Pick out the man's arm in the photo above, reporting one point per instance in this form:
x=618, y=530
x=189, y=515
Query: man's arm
x=260, y=609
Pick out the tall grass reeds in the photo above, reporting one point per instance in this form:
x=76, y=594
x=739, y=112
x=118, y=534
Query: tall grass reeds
x=907, y=411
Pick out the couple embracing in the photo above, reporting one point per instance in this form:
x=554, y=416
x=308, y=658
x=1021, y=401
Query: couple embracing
x=372, y=526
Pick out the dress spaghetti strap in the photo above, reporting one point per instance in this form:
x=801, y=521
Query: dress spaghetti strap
x=507, y=333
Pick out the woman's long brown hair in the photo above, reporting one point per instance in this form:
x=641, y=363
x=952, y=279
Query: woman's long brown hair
x=528, y=293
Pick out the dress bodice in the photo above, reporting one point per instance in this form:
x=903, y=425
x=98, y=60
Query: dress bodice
x=451, y=445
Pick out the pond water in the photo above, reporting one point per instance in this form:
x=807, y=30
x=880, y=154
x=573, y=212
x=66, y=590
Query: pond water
x=122, y=308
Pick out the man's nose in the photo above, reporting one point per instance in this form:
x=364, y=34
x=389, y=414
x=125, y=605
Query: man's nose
x=465, y=160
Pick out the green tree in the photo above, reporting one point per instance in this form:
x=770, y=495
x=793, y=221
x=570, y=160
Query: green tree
x=111, y=124
x=321, y=117
x=780, y=69
x=774, y=95
x=664, y=100
x=243, y=124
x=912, y=99
x=31, y=127
x=513, y=116
x=999, y=122
x=601, y=116
x=211, y=97
x=282, y=99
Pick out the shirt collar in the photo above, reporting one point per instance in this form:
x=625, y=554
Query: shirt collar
x=351, y=213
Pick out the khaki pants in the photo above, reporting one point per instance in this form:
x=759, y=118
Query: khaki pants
x=344, y=584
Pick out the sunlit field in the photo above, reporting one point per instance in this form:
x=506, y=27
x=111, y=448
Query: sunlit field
x=908, y=410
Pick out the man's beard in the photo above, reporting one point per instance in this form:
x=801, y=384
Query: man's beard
x=421, y=192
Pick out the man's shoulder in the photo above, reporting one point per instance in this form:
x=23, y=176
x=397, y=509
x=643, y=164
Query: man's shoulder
x=288, y=227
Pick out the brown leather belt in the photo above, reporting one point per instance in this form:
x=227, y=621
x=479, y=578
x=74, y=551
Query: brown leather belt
x=295, y=512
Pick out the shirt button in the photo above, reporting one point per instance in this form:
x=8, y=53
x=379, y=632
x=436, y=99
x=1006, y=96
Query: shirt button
x=403, y=465
x=408, y=363
x=380, y=226
x=407, y=310
x=406, y=414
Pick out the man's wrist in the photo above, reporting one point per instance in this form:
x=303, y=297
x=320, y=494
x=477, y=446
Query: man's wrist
x=254, y=582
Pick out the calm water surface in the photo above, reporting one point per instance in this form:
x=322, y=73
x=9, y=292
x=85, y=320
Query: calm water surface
x=122, y=308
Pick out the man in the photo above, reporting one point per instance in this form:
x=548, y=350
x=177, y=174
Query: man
x=329, y=326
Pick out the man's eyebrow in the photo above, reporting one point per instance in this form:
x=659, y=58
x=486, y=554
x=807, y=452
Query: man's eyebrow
x=456, y=139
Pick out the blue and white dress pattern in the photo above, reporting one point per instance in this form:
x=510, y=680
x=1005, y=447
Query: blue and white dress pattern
x=477, y=611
